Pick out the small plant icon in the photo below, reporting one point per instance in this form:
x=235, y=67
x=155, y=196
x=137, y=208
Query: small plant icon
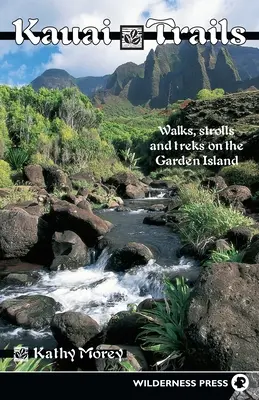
x=133, y=37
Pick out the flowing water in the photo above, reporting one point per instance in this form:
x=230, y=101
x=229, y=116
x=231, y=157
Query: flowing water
x=100, y=293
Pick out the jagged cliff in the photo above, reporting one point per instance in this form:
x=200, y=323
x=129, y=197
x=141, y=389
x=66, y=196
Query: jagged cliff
x=169, y=73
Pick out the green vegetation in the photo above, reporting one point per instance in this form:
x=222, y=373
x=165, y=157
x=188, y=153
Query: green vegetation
x=245, y=173
x=204, y=218
x=220, y=256
x=16, y=195
x=5, y=174
x=206, y=94
x=53, y=127
x=164, y=333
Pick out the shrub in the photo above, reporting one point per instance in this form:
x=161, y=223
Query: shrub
x=5, y=174
x=164, y=332
x=17, y=158
x=204, y=222
x=42, y=160
x=245, y=173
x=17, y=195
x=193, y=193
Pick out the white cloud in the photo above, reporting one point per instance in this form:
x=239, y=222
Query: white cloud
x=98, y=60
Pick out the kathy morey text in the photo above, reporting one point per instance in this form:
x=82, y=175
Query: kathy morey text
x=90, y=34
x=92, y=353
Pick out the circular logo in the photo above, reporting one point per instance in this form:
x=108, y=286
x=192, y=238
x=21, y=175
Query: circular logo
x=240, y=382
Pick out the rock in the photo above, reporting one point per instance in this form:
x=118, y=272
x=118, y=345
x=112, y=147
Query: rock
x=215, y=182
x=31, y=207
x=20, y=279
x=73, y=329
x=83, y=192
x=127, y=185
x=55, y=178
x=123, y=328
x=160, y=184
x=42, y=196
x=134, y=192
x=255, y=238
x=123, y=209
x=239, y=237
x=123, y=179
x=148, y=304
x=19, y=232
x=217, y=245
x=69, y=251
x=157, y=207
x=134, y=356
x=34, y=174
x=235, y=194
x=131, y=255
x=29, y=311
x=251, y=255
x=146, y=180
x=84, y=223
x=112, y=204
x=70, y=198
x=157, y=220
x=85, y=205
x=119, y=201
x=175, y=203
x=187, y=250
x=222, y=319
x=96, y=199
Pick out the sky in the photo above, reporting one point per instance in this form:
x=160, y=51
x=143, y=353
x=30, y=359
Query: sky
x=19, y=65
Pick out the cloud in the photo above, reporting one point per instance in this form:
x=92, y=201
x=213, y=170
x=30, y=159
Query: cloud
x=97, y=60
x=20, y=73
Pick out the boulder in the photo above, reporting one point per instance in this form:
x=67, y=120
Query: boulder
x=235, y=194
x=131, y=255
x=215, y=182
x=157, y=220
x=239, y=237
x=84, y=223
x=123, y=209
x=73, y=329
x=217, y=245
x=157, y=207
x=112, y=204
x=223, y=319
x=123, y=328
x=85, y=205
x=31, y=207
x=83, y=192
x=175, y=203
x=127, y=185
x=251, y=255
x=96, y=198
x=22, y=279
x=34, y=174
x=29, y=311
x=146, y=180
x=134, y=192
x=55, y=178
x=20, y=232
x=148, y=304
x=82, y=176
x=123, y=179
x=70, y=198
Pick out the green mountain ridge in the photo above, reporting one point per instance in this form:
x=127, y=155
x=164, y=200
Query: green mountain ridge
x=169, y=73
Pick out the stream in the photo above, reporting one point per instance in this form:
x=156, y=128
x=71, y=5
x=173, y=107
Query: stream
x=100, y=293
